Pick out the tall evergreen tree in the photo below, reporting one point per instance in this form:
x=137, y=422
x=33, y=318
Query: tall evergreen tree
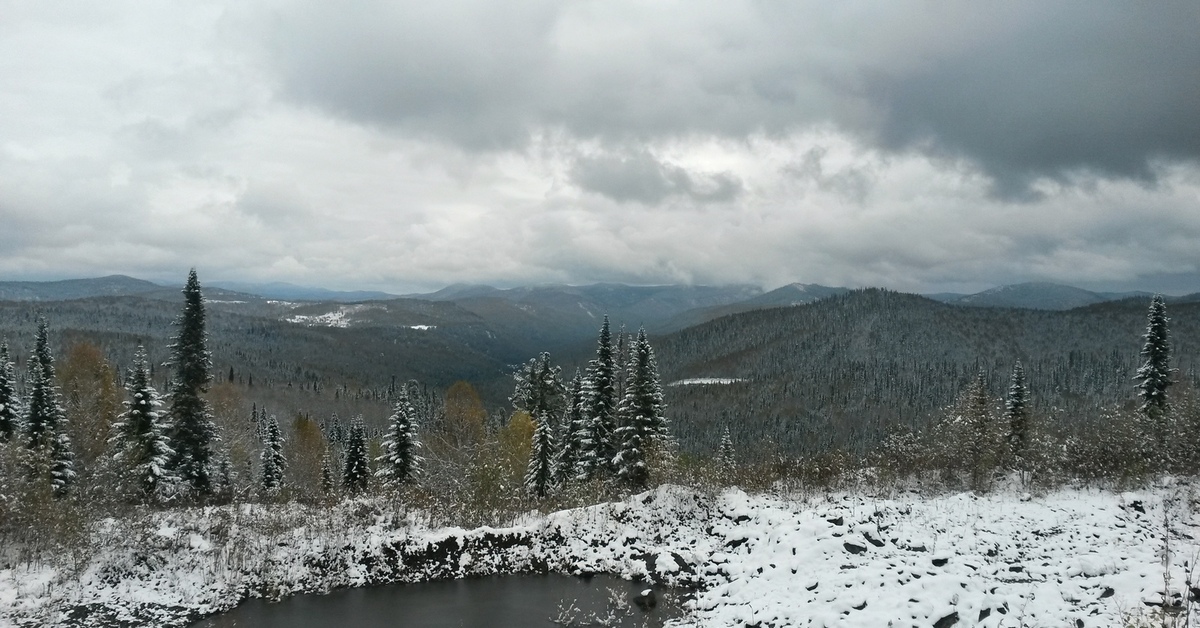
x=271, y=458
x=400, y=463
x=539, y=474
x=1154, y=376
x=139, y=436
x=356, y=472
x=977, y=419
x=1016, y=410
x=193, y=431
x=598, y=446
x=10, y=416
x=644, y=394
x=46, y=423
x=641, y=416
x=566, y=463
x=539, y=388
x=328, y=481
x=623, y=362
x=725, y=454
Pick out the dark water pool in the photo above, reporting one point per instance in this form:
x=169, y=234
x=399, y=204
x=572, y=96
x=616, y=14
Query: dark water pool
x=521, y=601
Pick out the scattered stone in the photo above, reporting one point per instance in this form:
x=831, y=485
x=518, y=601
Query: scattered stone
x=646, y=600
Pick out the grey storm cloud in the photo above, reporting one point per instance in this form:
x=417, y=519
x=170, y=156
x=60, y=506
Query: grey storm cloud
x=1099, y=87
x=1023, y=90
x=389, y=145
x=641, y=177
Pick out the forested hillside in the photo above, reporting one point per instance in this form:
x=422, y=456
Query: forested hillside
x=292, y=367
x=836, y=372
x=842, y=371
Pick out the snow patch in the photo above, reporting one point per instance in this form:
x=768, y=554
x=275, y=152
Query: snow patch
x=329, y=319
x=706, y=381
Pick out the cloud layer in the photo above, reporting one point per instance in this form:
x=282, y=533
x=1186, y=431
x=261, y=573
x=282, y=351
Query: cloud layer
x=402, y=146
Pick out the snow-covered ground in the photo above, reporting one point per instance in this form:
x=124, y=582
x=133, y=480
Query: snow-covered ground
x=1072, y=557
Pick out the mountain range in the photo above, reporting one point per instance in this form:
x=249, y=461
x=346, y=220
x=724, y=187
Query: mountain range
x=808, y=365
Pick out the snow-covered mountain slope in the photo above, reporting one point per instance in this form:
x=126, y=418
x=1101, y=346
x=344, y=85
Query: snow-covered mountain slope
x=1068, y=558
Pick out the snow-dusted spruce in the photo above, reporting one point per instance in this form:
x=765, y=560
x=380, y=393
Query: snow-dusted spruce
x=10, y=416
x=1154, y=376
x=725, y=454
x=1016, y=413
x=621, y=363
x=641, y=417
x=597, y=445
x=539, y=389
x=978, y=421
x=400, y=463
x=566, y=460
x=539, y=475
x=139, y=440
x=328, y=480
x=357, y=472
x=193, y=432
x=46, y=422
x=271, y=459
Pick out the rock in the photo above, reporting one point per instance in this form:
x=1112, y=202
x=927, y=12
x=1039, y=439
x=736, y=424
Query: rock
x=854, y=549
x=947, y=621
x=646, y=600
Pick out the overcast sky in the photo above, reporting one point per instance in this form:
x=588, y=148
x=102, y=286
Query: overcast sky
x=400, y=146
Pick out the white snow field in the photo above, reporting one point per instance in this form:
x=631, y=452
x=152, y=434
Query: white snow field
x=1069, y=558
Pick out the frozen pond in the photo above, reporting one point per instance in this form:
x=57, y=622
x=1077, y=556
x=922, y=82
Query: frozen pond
x=520, y=601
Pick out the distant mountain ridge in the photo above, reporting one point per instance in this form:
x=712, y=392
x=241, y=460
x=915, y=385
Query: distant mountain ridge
x=293, y=292
x=67, y=289
x=791, y=294
x=1036, y=295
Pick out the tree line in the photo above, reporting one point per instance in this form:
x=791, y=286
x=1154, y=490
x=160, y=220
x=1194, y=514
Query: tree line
x=979, y=436
x=606, y=430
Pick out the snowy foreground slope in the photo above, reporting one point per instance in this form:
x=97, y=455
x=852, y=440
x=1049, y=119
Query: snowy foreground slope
x=1068, y=558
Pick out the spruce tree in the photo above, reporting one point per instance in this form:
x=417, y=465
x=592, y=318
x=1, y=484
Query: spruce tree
x=539, y=388
x=328, y=481
x=725, y=454
x=566, y=463
x=1016, y=410
x=193, y=431
x=46, y=423
x=598, y=445
x=139, y=439
x=356, y=472
x=10, y=416
x=539, y=474
x=977, y=419
x=641, y=416
x=272, y=459
x=400, y=463
x=623, y=362
x=1154, y=376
